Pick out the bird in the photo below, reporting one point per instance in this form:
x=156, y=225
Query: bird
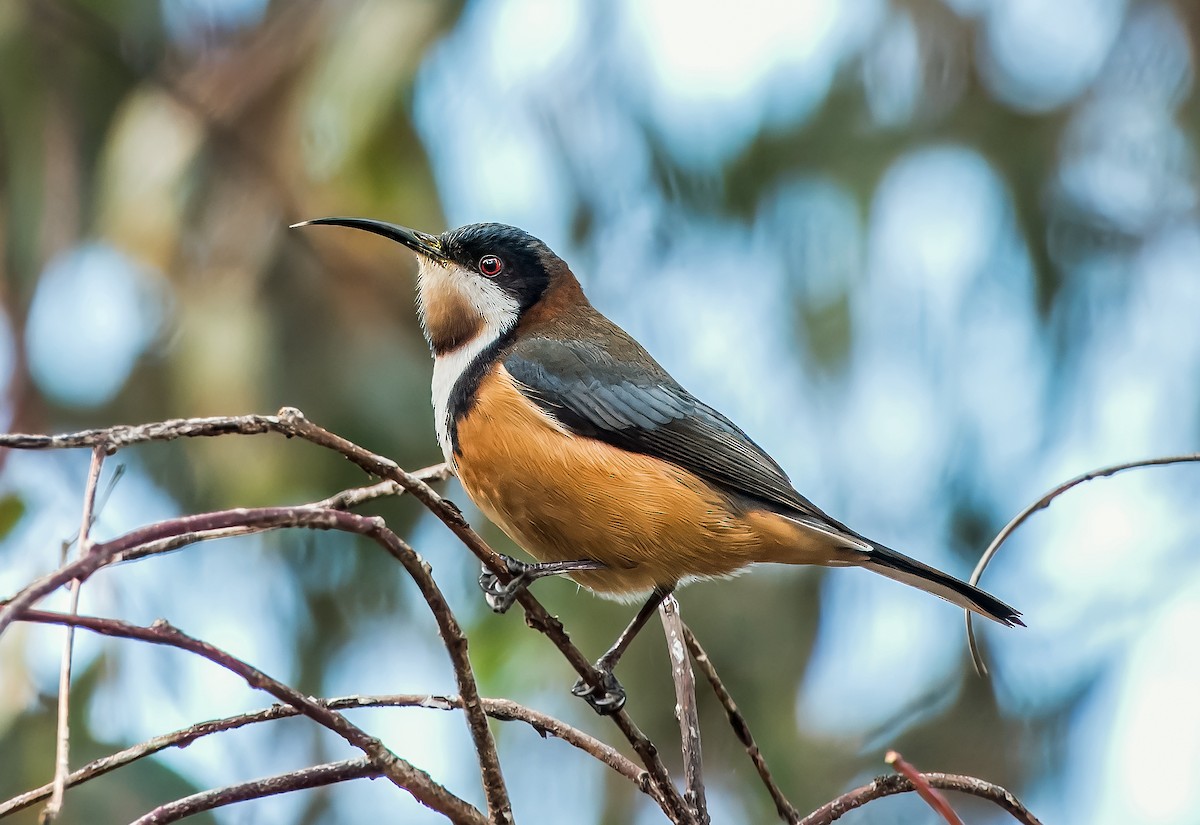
x=575, y=442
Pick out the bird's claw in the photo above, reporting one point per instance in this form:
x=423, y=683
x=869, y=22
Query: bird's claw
x=499, y=595
x=606, y=698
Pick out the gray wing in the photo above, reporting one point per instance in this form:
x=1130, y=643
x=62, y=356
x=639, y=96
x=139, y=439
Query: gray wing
x=637, y=406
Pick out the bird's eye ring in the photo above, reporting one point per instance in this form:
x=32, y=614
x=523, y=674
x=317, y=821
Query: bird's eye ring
x=490, y=266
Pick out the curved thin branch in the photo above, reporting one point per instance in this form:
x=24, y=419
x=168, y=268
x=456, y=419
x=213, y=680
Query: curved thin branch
x=502, y=710
x=889, y=785
x=506, y=710
x=787, y=812
x=402, y=773
x=108, y=552
x=1041, y=504
x=123, y=435
x=348, y=499
x=314, y=777
x=343, y=500
x=455, y=642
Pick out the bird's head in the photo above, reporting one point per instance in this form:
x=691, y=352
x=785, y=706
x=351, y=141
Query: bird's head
x=477, y=280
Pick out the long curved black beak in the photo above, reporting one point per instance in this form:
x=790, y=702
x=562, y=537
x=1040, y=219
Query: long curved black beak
x=423, y=244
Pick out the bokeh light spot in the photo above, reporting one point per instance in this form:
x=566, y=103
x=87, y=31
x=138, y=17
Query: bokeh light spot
x=93, y=314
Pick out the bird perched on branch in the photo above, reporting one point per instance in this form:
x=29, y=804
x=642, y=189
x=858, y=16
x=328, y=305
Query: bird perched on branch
x=578, y=445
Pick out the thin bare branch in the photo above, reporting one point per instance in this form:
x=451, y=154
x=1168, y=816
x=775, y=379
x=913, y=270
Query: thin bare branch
x=889, y=785
x=931, y=795
x=506, y=710
x=502, y=710
x=171, y=543
x=111, y=551
x=344, y=500
x=455, y=642
x=62, y=745
x=685, y=709
x=349, y=499
x=1041, y=504
x=115, y=438
x=787, y=812
x=401, y=772
x=303, y=779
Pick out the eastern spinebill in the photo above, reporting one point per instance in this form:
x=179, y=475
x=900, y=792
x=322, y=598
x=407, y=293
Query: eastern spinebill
x=590, y=456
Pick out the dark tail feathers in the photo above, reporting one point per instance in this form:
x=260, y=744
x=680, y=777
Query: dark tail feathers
x=888, y=562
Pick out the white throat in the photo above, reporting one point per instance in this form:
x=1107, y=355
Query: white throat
x=498, y=311
x=447, y=369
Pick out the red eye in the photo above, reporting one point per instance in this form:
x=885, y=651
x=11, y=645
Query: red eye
x=490, y=266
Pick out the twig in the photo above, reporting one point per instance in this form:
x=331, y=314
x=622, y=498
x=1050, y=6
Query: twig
x=62, y=747
x=889, y=785
x=115, y=438
x=1041, y=504
x=506, y=710
x=344, y=500
x=503, y=710
x=926, y=791
x=787, y=812
x=401, y=772
x=685, y=709
x=111, y=551
x=349, y=499
x=120, y=436
x=291, y=422
x=455, y=641
x=314, y=777
x=171, y=543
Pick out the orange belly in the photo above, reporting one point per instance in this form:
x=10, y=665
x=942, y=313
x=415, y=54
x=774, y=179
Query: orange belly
x=564, y=497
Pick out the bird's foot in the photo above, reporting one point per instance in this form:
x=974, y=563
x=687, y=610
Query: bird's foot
x=607, y=697
x=500, y=595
